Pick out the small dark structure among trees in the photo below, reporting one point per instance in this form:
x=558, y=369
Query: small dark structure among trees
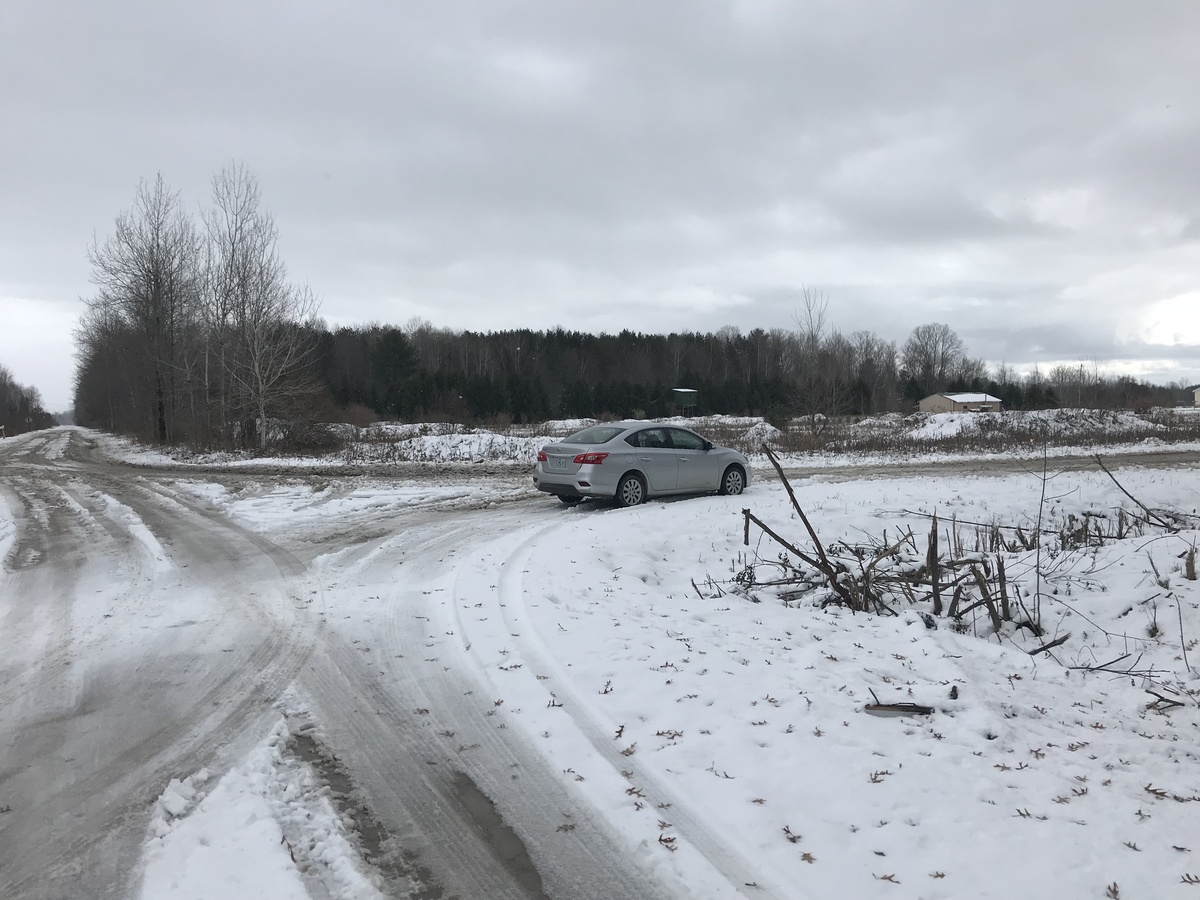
x=685, y=400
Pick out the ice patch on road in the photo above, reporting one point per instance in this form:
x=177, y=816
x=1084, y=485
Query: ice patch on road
x=275, y=506
x=8, y=537
x=56, y=447
x=265, y=830
x=138, y=530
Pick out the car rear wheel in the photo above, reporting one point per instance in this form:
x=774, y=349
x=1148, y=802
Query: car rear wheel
x=631, y=491
x=733, y=482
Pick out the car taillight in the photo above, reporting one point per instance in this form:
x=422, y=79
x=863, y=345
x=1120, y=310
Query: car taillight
x=590, y=459
x=541, y=456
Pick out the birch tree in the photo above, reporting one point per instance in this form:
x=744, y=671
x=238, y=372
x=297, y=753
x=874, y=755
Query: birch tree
x=261, y=347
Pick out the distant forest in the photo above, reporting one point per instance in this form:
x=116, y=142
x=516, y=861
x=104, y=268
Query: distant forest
x=20, y=407
x=195, y=334
x=420, y=372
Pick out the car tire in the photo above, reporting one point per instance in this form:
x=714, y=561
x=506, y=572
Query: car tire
x=631, y=491
x=569, y=501
x=733, y=482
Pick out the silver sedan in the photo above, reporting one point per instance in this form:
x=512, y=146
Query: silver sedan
x=630, y=461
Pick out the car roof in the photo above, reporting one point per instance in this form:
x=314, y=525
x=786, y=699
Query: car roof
x=650, y=423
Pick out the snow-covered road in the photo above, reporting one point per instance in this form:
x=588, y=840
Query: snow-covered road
x=240, y=684
x=145, y=635
x=140, y=639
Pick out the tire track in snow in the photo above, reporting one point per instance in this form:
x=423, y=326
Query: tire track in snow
x=719, y=870
x=179, y=712
x=435, y=705
x=411, y=792
x=44, y=568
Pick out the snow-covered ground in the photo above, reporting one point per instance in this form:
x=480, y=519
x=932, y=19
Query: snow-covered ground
x=920, y=437
x=717, y=725
x=251, y=833
x=740, y=719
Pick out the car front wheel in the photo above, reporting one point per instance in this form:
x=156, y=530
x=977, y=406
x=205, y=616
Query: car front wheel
x=631, y=491
x=733, y=482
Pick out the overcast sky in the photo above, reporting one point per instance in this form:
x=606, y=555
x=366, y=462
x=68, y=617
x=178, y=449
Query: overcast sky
x=1028, y=173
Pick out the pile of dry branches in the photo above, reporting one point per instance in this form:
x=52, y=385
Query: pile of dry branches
x=976, y=574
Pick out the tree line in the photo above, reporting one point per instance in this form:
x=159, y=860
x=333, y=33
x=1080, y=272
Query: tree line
x=20, y=407
x=195, y=334
x=420, y=372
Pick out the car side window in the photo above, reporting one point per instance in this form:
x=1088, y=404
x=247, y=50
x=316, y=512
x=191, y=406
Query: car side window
x=648, y=437
x=685, y=440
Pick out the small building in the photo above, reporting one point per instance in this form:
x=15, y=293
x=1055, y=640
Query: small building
x=685, y=400
x=939, y=403
x=1196, y=396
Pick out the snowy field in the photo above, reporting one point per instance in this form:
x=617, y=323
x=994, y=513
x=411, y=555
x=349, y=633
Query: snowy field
x=920, y=437
x=717, y=723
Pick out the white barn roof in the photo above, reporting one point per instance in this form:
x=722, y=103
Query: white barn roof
x=972, y=398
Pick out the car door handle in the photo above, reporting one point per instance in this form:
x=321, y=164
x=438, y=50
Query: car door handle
x=646, y=458
x=684, y=458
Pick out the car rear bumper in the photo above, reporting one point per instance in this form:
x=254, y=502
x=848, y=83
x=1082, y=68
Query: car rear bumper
x=569, y=486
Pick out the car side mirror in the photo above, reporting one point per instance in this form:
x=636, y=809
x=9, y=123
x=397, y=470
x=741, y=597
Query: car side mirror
x=708, y=445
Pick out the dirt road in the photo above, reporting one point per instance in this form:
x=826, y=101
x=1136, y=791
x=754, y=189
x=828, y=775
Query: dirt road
x=144, y=636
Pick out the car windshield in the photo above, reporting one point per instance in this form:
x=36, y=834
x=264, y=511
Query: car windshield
x=597, y=434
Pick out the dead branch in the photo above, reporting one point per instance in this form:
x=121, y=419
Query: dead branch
x=1150, y=515
x=896, y=709
x=1161, y=699
x=1179, y=611
x=1002, y=581
x=1057, y=642
x=953, y=612
x=932, y=562
x=822, y=561
x=987, y=599
x=1130, y=670
x=925, y=515
x=886, y=553
x=783, y=542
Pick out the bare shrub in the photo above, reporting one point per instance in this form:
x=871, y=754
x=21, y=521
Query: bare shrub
x=357, y=414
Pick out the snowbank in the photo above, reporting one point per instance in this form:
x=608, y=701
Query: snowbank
x=252, y=834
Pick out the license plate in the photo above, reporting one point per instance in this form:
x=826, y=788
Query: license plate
x=558, y=462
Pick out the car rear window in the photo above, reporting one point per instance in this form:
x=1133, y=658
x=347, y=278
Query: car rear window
x=597, y=434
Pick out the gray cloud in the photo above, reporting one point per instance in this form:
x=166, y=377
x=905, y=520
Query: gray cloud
x=1024, y=171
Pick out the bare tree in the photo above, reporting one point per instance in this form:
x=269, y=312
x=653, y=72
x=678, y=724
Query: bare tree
x=823, y=365
x=146, y=278
x=276, y=355
x=875, y=370
x=932, y=356
x=103, y=398
x=260, y=345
